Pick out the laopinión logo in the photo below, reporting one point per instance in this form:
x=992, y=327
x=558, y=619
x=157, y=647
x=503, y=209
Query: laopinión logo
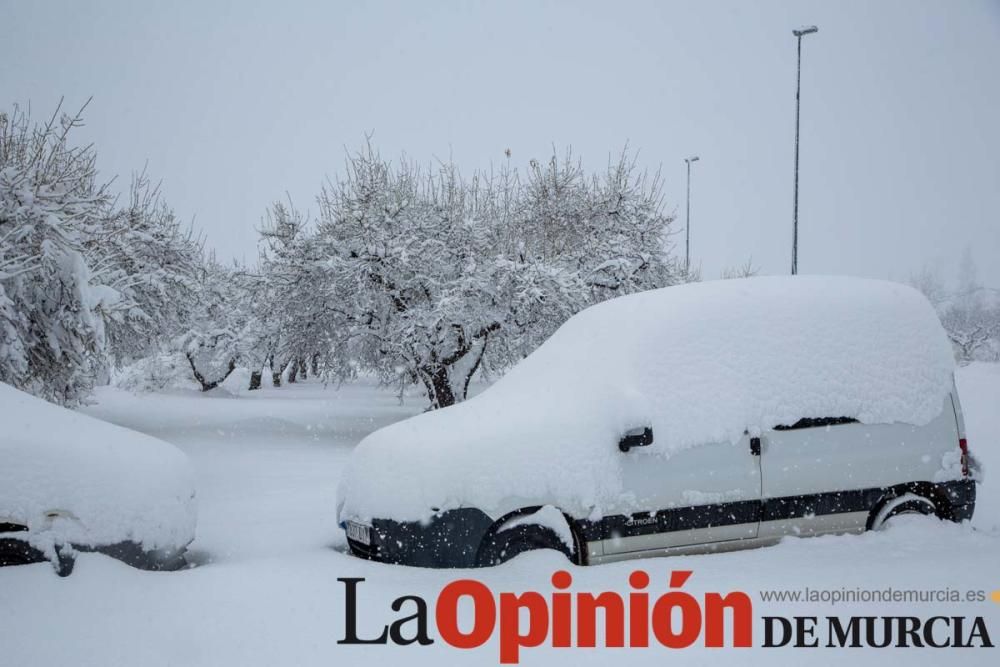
x=674, y=619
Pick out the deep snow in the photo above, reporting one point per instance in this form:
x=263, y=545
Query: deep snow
x=266, y=592
x=699, y=363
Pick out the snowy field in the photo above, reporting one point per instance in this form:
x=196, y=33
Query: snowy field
x=268, y=553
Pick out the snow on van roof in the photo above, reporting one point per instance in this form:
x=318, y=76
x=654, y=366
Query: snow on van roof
x=701, y=362
x=119, y=485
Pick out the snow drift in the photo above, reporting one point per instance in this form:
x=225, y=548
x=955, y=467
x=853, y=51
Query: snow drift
x=702, y=362
x=110, y=484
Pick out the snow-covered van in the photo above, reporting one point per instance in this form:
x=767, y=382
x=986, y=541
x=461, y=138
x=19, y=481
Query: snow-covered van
x=708, y=416
x=70, y=483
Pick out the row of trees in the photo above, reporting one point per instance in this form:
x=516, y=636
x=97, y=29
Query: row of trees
x=417, y=275
x=421, y=276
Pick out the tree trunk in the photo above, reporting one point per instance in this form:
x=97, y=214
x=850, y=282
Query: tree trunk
x=302, y=369
x=207, y=385
x=441, y=384
x=293, y=372
x=474, y=367
x=255, y=378
x=276, y=374
x=315, y=364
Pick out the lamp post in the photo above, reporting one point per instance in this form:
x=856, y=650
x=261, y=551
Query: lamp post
x=687, y=225
x=806, y=30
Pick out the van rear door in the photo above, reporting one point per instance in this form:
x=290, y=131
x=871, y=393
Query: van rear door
x=824, y=475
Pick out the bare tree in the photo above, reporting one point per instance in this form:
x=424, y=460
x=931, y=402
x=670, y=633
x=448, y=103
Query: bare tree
x=745, y=270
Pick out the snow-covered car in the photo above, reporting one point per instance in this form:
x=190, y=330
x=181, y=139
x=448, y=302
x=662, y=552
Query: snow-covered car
x=71, y=483
x=708, y=416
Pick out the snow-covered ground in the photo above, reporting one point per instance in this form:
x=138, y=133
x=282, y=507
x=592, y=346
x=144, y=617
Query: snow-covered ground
x=268, y=554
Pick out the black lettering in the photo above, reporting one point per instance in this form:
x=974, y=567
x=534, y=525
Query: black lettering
x=908, y=628
x=841, y=633
x=351, y=615
x=803, y=630
x=395, y=630
x=886, y=637
x=979, y=631
x=929, y=638
x=786, y=631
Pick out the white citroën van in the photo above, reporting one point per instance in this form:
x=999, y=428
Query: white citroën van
x=708, y=416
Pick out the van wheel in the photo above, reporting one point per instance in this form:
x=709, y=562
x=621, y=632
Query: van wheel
x=908, y=503
x=502, y=546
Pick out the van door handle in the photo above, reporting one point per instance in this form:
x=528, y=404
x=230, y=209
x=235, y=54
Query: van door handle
x=755, y=446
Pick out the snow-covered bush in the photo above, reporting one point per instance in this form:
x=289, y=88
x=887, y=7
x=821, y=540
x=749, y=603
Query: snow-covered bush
x=157, y=372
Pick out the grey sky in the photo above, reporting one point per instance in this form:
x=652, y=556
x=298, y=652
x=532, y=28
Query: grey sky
x=235, y=103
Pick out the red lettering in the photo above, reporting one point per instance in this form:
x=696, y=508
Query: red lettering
x=614, y=619
x=562, y=610
x=484, y=618
x=511, y=639
x=715, y=619
x=690, y=614
x=638, y=610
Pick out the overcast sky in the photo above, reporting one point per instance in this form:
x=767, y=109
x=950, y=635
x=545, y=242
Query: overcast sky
x=233, y=104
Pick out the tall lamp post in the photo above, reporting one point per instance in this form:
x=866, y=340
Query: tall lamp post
x=806, y=30
x=687, y=225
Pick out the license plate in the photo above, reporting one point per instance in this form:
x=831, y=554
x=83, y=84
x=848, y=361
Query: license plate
x=359, y=532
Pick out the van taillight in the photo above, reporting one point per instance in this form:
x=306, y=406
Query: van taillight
x=963, y=444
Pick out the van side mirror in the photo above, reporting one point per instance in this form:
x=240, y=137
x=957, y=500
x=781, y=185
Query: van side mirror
x=636, y=437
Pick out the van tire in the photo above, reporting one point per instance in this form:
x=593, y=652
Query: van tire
x=906, y=503
x=500, y=547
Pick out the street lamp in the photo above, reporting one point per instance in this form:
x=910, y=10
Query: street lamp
x=805, y=30
x=687, y=227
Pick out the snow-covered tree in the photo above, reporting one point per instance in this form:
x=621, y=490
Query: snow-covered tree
x=427, y=278
x=150, y=260
x=51, y=330
x=974, y=330
x=83, y=283
x=293, y=324
x=971, y=316
x=609, y=229
x=970, y=313
x=405, y=294
x=213, y=341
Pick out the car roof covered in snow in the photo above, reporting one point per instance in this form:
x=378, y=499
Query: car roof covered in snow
x=109, y=483
x=701, y=362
